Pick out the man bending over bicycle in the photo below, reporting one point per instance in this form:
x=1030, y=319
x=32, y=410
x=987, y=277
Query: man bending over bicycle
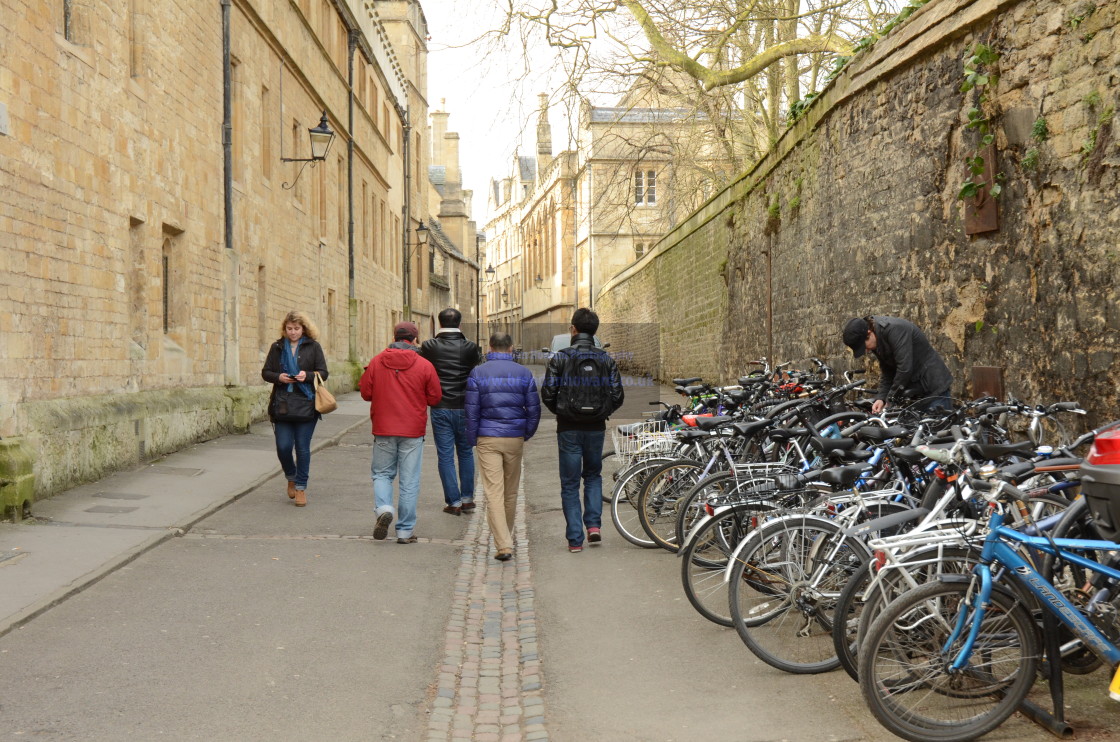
x=911, y=368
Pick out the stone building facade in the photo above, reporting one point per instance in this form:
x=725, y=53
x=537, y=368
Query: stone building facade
x=562, y=225
x=856, y=211
x=502, y=277
x=137, y=323
x=456, y=250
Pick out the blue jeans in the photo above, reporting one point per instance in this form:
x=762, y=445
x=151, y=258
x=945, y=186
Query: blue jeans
x=581, y=457
x=393, y=454
x=295, y=436
x=449, y=428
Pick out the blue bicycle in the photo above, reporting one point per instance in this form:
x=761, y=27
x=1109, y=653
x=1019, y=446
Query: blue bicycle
x=953, y=659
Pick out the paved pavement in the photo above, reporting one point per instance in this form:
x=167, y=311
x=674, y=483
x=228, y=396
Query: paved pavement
x=187, y=599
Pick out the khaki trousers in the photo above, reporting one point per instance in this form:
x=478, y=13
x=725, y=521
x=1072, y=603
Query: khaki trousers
x=499, y=461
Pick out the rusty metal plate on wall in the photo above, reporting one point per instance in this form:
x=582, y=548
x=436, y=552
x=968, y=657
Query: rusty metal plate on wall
x=981, y=214
x=987, y=381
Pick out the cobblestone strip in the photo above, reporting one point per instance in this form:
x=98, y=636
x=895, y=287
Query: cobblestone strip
x=489, y=685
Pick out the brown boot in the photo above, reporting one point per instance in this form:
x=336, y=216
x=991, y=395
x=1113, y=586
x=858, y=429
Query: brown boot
x=291, y=490
x=301, y=498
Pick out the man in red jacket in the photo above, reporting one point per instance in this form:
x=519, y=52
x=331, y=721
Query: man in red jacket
x=400, y=386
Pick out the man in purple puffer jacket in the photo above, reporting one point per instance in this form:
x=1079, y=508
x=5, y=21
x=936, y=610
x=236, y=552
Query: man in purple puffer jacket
x=502, y=411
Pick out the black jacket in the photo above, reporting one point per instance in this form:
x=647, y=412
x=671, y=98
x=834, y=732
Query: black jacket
x=453, y=356
x=560, y=367
x=910, y=365
x=309, y=358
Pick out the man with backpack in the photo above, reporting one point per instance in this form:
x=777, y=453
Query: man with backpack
x=582, y=387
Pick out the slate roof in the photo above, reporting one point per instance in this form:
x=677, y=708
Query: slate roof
x=528, y=167
x=610, y=115
x=444, y=243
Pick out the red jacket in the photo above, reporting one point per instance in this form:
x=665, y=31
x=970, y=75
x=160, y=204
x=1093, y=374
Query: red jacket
x=401, y=386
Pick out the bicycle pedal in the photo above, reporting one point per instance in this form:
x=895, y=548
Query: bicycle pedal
x=1114, y=686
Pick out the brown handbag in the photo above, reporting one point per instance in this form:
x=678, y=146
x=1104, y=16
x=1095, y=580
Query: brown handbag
x=324, y=400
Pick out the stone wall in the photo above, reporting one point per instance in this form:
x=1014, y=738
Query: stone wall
x=855, y=211
x=111, y=209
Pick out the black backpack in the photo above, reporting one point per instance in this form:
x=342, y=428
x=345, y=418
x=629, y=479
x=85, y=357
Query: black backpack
x=584, y=391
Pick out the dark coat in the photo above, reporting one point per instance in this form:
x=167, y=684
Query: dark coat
x=910, y=365
x=561, y=368
x=309, y=358
x=453, y=356
x=501, y=400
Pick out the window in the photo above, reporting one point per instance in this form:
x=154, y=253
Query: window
x=645, y=187
x=322, y=199
x=297, y=191
x=139, y=278
x=329, y=334
x=264, y=332
x=365, y=221
x=135, y=41
x=174, y=291
x=74, y=21
x=382, y=234
x=639, y=249
x=343, y=227
x=237, y=124
x=266, y=133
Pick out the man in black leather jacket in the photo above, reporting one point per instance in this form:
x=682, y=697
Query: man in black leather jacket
x=911, y=368
x=454, y=356
x=579, y=437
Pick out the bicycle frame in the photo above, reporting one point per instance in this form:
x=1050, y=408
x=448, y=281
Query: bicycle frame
x=997, y=550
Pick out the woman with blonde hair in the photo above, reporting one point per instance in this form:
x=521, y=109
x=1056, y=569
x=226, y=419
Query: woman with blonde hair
x=290, y=367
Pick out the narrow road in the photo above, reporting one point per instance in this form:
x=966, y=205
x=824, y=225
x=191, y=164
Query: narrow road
x=268, y=622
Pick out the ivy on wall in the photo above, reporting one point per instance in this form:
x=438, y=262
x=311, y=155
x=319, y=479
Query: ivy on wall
x=978, y=76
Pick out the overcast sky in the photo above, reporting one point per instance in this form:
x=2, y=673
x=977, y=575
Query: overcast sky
x=490, y=95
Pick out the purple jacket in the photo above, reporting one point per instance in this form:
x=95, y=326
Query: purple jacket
x=501, y=400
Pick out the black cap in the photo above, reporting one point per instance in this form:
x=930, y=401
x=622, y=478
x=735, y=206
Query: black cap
x=855, y=336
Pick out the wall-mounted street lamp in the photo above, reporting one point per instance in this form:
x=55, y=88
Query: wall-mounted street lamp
x=422, y=233
x=538, y=280
x=490, y=272
x=505, y=296
x=321, y=137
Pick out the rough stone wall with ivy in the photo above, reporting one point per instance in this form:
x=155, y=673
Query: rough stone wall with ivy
x=856, y=210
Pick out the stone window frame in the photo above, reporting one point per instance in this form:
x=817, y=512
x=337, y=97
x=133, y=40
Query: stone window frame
x=645, y=187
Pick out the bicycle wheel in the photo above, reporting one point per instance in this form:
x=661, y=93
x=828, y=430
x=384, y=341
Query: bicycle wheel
x=704, y=558
x=904, y=666
x=613, y=466
x=783, y=589
x=691, y=507
x=660, y=497
x=624, y=503
x=1070, y=578
x=855, y=611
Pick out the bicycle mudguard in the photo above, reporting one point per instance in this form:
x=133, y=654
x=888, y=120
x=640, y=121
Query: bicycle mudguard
x=887, y=521
x=754, y=535
x=696, y=527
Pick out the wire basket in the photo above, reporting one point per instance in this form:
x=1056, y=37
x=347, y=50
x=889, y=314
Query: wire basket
x=762, y=471
x=644, y=440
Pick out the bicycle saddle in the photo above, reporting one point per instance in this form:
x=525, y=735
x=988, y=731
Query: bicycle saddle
x=878, y=435
x=750, y=427
x=842, y=476
x=998, y=450
x=711, y=423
